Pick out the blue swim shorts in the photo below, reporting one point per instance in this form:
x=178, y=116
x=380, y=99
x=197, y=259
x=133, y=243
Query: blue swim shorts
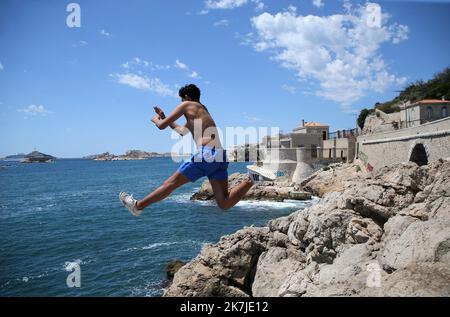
x=207, y=161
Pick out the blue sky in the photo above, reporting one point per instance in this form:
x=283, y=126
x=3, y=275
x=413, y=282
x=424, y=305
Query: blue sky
x=71, y=92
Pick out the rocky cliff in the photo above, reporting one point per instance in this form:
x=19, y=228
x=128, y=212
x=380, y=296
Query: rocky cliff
x=380, y=122
x=386, y=234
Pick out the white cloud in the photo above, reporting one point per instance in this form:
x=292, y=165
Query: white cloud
x=194, y=75
x=340, y=52
x=230, y=4
x=247, y=39
x=224, y=22
x=254, y=118
x=318, y=3
x=133, y=80
x=293, y=90
x=35, y=110
x=259, y=5
x=224, y=4
x=80, y=43
x=136, y=62
x=162, y=67
x=160, y=88
x=1, y=66
x=183, y=66
x=136, y=70
x=104, y=33
x=180, y=65
x=400, y=33
x=142, y=82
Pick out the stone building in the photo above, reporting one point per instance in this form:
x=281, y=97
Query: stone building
x=410, y=115
x=309, y=135
x=420, y=133
x=295, y=156
x=340, y=145
x=423, y=111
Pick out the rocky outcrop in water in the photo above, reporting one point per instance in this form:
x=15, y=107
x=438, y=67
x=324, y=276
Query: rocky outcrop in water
x=172, y=267
x=38, y=157
x=132, y=155
x=386, y=234
x=101, y=157
x=266, y=191
x=129, y=155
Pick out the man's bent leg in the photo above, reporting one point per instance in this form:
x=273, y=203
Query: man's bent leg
x=227, y=200
x=169, y=185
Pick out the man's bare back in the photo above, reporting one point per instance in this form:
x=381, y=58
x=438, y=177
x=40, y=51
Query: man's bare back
x=198, y=122
x=198, y=118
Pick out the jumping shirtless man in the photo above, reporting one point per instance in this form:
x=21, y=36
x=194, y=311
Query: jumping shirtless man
x=209, y=160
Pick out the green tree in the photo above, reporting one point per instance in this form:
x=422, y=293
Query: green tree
x=363, y=115
x=435, y=88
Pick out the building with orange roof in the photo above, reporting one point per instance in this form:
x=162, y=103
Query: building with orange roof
x=315, y=124
x=419, y=133
x=296, y=155
x=313, y=128
x=308, y=135
x=423, y=111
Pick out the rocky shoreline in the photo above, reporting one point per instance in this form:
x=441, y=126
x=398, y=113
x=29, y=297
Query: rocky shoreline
x=381, y=234
x=266, y=191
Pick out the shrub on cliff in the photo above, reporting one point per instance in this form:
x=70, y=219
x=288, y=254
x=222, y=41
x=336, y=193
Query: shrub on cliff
x=362, y=116
x=435, y=88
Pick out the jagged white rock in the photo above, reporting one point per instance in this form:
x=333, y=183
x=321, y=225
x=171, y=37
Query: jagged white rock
x=386, y=234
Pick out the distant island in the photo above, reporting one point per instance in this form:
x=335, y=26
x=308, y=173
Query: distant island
x=38, y=157
x=15, y=157
x=130, y=155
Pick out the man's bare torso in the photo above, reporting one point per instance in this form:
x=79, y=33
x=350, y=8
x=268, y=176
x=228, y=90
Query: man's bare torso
x=201, y=125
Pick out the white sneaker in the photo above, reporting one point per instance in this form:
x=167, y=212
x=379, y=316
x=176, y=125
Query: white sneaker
x=130, y=203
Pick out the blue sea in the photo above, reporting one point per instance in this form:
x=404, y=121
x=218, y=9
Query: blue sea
x=54, y=215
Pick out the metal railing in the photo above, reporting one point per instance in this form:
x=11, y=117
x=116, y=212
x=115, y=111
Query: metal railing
x=340, y=134
x=307, y=154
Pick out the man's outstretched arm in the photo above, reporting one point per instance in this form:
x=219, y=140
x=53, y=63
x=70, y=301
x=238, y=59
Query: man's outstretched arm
x=181, y=130
x=175, y=115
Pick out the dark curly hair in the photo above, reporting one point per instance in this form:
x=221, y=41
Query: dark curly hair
x=190, y=90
